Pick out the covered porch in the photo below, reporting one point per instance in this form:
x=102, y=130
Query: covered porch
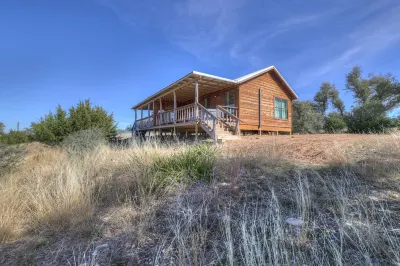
x=195, y=97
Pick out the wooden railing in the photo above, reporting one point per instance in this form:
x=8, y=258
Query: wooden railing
x=225, y=116
x=165, y=117
x=186, y=113
x=208, y=122
x=228, y=117
x=144, y=123
x=231, y=109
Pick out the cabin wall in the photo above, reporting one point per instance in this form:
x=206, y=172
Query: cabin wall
x=271, y=87
x=218, y=98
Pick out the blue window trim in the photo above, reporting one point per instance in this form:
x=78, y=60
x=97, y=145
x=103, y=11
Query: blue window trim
x=281, y=109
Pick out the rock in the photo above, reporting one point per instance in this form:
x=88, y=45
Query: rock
x=294, y=221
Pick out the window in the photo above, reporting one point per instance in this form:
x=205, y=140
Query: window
x=230, y=98
x=206, y=102
x=281, y=108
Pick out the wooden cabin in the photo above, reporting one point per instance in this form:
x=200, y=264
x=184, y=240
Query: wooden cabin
x=260, y=102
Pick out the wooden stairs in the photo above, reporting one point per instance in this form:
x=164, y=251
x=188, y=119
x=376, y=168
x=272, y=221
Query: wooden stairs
x=220, y=127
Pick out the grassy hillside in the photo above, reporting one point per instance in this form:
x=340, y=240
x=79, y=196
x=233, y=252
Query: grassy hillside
x=301, y=200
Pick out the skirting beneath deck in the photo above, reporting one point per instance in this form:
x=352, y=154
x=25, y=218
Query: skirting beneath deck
x=264, y=128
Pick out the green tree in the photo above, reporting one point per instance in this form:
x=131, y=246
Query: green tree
x=336, y=101
x=386, y=90
x=321, y=98
x=14, y=137
x=375, y=97
x=2, y=127
x=328, y=94
x=54, y=128
x=368, y=118
x=306, y=118
x=83, y=117
x=334, y=123
x=358, y=85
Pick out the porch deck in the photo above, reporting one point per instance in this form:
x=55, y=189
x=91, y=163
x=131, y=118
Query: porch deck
x=213, y=121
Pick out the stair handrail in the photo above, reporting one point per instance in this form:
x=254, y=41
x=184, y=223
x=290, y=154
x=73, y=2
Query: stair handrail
x=228, y=113
x=234, y=117
x=209, y=113
x=214, y=121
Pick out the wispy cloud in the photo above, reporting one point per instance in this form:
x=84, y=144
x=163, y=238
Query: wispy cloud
x=365, y=42
x=316, y=38
x=204, y=28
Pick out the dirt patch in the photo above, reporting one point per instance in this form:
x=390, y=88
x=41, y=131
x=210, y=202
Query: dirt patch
x=310, y=149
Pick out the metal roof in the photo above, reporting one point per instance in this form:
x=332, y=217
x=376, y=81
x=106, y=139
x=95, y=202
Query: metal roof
x=203, y=78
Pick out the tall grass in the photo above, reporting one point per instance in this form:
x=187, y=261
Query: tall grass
x=59, y=189
x=187, y=204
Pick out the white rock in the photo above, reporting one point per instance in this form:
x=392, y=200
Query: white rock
x=294, y=221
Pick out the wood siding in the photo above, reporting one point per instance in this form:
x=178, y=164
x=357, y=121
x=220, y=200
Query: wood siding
x=249, y=107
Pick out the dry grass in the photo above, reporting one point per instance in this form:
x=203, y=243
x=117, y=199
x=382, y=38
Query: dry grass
x=57, y=207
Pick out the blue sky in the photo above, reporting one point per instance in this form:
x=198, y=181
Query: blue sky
x=116, y=52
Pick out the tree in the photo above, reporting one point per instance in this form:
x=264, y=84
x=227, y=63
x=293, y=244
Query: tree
x=2, y=127
x=328, y=94
x=359, y=86
x=53, y=128
x=14, y=137
x=375, y=96
x=306, y=118
x=83, y=117
x=368, y=118
x=386, y=90
x=336, y=101
x=321, y=98
x=334, y=123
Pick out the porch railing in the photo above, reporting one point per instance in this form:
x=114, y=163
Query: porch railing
x=186, y=113
x=228, y=115
x=144, y=123
x=189, y=113
x=231, y=109
x=208, y=122
x=165, y=117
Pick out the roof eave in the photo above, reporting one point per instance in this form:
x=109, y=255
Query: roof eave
x=196, y=73
x=263, y=71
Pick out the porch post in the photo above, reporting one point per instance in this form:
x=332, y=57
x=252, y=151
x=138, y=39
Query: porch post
x=141, y=112
x=148, y=114
x=196, y=106
x=196, y=98
x=154, y=116
x=174, y=106
x=196, y=130
x=135, y=115
x=161, y=116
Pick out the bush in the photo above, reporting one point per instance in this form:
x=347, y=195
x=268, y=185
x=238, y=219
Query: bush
x=190, y=164
x=53, y=129
x=306, y=119
x=14, y=137
x=84, y=141
x=334, y=123
x=369, y=118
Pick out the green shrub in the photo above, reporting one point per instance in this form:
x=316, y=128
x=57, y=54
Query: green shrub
x=54, y=128
x=195, y=163
x=14, y=137
x=84, y=141
x=334, y=123
x=369, y=118
x=306, y=118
